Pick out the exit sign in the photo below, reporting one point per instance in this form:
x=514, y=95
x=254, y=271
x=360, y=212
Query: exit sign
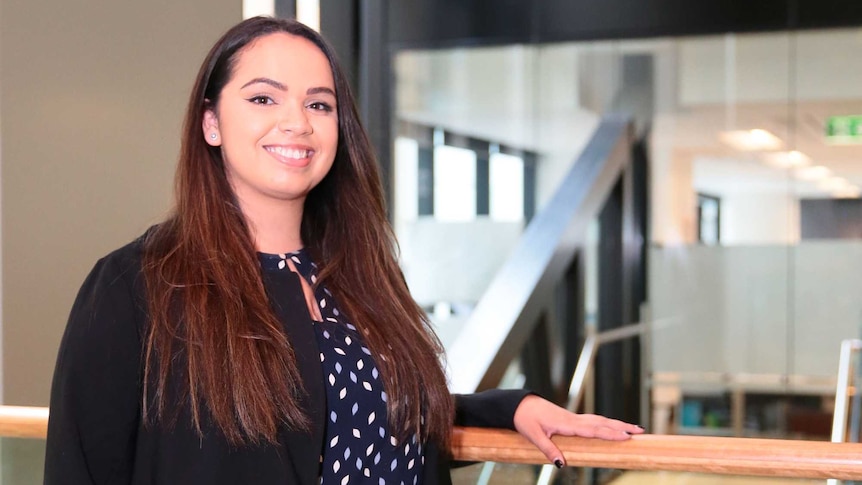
x=844, y=130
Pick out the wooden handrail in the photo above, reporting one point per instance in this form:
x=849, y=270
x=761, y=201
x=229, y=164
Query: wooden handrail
x=729, y=456
x=23, y=422
x=735, y=456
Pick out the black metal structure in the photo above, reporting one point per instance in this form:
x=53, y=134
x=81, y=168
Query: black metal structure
x=439, y=23
x=285, y=8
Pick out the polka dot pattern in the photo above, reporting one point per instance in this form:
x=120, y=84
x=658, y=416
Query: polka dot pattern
x=359, y=447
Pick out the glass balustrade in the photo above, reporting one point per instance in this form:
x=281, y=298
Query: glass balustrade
x=21, y=460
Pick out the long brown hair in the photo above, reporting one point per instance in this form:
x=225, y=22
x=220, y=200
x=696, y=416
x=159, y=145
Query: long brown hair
x=214, y=342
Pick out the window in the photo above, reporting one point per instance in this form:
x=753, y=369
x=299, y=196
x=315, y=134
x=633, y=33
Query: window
x=406, y=179
x=708, y=219
x=454, y=184
x=506, y=187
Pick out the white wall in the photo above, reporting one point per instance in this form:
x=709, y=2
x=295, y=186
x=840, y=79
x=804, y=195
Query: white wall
x=759, y=218
x=454, y=261
x=92, y=95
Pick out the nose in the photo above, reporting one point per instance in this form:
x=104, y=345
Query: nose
x=294, y=119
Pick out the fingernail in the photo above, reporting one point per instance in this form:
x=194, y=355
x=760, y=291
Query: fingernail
x=558, y=463
x=639, y=426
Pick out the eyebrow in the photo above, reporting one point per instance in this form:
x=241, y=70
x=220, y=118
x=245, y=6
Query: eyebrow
x=282, y=87
x=320, y=90
x=265, y=80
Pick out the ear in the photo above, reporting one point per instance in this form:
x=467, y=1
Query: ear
x=210, y=128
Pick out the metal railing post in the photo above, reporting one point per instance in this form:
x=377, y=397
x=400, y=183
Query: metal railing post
x=839, y=419
x=842, y=398
x=583, y=374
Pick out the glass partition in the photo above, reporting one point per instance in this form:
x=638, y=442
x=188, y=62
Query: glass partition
x=755, y=149
x=22, y=460
x=483, y=137
x=748, y=325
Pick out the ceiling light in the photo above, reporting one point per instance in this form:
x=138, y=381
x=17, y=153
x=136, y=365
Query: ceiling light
x=751, y=140
x=834, y=184
x=789, y=159
x=851, y=192
x=812, y=174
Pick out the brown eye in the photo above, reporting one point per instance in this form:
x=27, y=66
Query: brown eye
x=261, y=100
x=318, y=106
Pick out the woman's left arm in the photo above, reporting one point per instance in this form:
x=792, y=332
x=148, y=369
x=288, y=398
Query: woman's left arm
x=494, y=408
x=538, y=419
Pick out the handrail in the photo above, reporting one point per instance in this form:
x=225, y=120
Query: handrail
x=728, y=456
x=588, y=354
x=23, y=422
x=736, y=456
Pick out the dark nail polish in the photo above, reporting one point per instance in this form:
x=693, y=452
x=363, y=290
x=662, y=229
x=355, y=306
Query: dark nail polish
x=558, y=463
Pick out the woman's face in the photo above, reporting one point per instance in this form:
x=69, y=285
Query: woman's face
x=276, y=121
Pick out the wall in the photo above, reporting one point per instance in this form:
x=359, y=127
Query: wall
x=92, y=95
x=759, y=218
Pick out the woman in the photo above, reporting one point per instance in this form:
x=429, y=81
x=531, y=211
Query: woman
x=263, y=333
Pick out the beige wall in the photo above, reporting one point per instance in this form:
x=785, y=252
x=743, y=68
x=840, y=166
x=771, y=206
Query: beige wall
x=91, y=99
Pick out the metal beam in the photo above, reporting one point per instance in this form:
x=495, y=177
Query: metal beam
x=285, y=9
x=505, y=316
x=375, y=84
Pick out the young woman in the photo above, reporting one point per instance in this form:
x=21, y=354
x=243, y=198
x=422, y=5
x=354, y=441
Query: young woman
x=263, y=333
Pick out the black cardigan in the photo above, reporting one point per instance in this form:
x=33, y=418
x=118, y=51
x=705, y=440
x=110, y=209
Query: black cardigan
x=95, y=431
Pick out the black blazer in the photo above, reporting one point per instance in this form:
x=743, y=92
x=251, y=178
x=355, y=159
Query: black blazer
x=95, y=432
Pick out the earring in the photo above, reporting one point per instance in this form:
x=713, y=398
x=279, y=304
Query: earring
x=213, y=136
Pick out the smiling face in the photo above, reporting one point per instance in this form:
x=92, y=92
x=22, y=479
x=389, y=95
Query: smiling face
x=276, y=121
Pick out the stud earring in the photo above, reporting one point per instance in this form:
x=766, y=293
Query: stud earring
x=213, y=136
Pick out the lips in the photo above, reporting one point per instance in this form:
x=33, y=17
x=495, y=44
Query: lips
x=291, y=155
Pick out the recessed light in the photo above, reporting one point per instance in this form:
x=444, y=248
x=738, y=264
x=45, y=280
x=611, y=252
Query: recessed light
x=851, y=192
x=751, y=140
x=834, y=184
x=793, y=158
x=812, y=174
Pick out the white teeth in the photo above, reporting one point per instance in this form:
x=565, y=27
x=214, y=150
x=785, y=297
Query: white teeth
x=289, y=152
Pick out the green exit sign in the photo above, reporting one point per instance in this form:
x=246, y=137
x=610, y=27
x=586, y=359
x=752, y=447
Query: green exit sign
x=844, y=130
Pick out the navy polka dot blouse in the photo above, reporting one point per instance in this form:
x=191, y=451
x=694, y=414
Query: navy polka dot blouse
x=359, y=447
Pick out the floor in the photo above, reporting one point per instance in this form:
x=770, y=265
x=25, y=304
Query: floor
x=682, y=478
x=501, y=473
x=504, y=474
